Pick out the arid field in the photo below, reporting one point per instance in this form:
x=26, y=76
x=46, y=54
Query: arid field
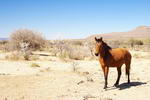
x=50, y=78
x=33, y=68
x=74, y=49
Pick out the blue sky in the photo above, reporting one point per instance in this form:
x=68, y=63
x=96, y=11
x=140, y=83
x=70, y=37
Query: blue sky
x=72, y=18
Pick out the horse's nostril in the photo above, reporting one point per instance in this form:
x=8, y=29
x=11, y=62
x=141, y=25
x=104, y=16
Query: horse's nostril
x=96, y=54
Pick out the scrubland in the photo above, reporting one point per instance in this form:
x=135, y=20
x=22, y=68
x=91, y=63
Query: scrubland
x=68, y=70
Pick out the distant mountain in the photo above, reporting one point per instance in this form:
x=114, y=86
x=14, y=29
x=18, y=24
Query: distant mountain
x=139, y=32
x=3, y=38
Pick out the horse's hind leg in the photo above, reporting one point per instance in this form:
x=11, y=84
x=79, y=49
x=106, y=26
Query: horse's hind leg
x=119, y=74
x=128, y=71
x=128, y=78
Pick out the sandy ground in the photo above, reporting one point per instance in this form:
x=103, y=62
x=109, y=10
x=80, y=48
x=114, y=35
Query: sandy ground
x=56, y=80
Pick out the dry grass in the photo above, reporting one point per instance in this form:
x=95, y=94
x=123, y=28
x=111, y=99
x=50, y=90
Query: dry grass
x=35, y=65
x=84, y=50
x=18, y=55
x=66, y=50
x=15, y=56
x=47, y=77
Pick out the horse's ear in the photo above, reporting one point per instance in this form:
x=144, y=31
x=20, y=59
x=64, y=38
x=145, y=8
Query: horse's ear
x=96, y=39
x=101, y=39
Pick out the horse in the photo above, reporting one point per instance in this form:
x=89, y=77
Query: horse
x=109, y=57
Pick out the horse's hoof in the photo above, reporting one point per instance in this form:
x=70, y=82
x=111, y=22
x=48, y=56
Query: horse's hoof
x=115, y=85
x=105, y=87
x=128, y=82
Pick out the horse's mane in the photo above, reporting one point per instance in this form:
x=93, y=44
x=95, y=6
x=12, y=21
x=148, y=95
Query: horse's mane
x=106, y=50
x=107, y=47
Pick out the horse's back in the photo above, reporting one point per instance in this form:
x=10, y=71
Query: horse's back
x=120, y=55
x=119, y=52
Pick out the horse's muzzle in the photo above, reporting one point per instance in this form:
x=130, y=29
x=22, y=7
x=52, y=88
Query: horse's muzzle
x=96, y=54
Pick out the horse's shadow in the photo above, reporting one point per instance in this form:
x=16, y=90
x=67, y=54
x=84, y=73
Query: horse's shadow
x=126, y=85
x=132, y=84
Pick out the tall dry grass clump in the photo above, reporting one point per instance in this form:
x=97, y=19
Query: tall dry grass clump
x=34, y=39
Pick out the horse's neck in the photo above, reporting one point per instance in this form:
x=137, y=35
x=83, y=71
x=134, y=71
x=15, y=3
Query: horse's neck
x=105, y=54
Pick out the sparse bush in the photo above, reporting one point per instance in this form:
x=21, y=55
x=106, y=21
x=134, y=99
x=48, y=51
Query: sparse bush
x=90, y=45
x=68, y=50
x=79, y=52
x=61, y=46
x=4, y=45
x=139, y=42
x=34, y=39
x=134, y=42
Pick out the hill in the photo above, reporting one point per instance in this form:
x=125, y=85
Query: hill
x=139, y=32
x=3, y=38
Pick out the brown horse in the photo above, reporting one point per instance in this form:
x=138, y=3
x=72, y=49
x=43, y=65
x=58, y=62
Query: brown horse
x=112, y=58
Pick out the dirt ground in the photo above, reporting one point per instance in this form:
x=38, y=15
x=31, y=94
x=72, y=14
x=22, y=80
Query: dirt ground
x=79, y=80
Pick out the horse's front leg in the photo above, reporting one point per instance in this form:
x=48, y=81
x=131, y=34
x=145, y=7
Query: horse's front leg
x=119, y=74
x=106, y=70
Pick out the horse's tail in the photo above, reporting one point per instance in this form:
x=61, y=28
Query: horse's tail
x=128, y=63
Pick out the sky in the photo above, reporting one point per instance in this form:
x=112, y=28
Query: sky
x=72, y=19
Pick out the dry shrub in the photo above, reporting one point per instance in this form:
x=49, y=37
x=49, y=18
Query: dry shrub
x=34, y=39
x=91, y=46
x=75, y=52
x=79, y=52
x=134, y=42
x=4, y=45
x=70, y=50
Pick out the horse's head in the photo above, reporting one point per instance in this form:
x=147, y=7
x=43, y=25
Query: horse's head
x=101, y=47
x=98, y=45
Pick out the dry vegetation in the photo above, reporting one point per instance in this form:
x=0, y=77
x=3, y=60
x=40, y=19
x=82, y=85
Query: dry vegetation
x=33, y=39
x=34, y=69
x=23, y=42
